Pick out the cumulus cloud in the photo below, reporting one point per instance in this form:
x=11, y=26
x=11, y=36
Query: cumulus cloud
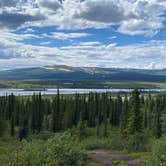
x=148, y=18
x=146, y=55
x=133, y=17
x=107, y=11
x=8, y=3
x=14, y=14
x=50, y=4
x=14, y=20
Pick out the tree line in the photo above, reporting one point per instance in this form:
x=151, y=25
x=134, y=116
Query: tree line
x=21, y=116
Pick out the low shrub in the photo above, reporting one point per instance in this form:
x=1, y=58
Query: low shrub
x=159, y=153
x=60, y=150
x=92, y=143
x=137, y=142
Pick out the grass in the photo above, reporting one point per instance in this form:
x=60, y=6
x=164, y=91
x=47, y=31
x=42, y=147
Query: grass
x=92, y=164
x=116, y=162
x=32, y=84
x=133, y=84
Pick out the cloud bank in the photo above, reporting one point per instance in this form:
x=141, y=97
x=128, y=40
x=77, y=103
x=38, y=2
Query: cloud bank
x=133, y=17
x=130, y=17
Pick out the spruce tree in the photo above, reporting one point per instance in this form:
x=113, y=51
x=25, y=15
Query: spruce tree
x=124, y=117
x=135, y=116
x=157, y=119
x=81, y=130
x=105, y=132
x=56, y=121
x=12, y=130
x=2, y=125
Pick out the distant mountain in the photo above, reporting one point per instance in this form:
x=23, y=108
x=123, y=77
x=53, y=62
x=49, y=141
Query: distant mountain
x=67, y=73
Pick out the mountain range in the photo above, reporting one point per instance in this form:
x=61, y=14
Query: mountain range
x=68, y=73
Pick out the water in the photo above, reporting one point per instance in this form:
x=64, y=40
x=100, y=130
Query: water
x=22, y=92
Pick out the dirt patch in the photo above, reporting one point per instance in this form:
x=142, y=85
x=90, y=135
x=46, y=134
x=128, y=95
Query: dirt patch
x=101, y=157
x=126, y=159
x=104, y=158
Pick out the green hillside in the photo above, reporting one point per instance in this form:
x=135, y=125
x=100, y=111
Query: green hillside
x=82, y=77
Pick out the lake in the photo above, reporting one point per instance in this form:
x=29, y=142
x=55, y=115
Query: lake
x=22, y=92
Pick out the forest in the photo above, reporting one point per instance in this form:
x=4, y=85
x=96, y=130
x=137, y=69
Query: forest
x=61, y=130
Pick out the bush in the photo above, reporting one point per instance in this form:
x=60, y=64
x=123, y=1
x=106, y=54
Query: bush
x=159, y=153
x=60, y=150
x=25, y=153
x=66, y=150
x=117, y=162
x=91, y=164
x=137, y=142
x=96, y=143
x=118, y=142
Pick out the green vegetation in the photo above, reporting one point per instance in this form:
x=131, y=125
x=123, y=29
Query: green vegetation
x=36, y=84
x=59, y=130
x=59, y=150
x=116, y=162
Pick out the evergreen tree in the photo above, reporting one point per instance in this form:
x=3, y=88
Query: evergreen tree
x=12, y=131
x=81, y=130
x=124, y=117
x=105, y=134
x=23, y=130
x=97, y=127
x=56, y=113
x=135, y=115
x=33, y=114
x=11, y=106
x=157, y=119
x=40, y=112
x=2, y=125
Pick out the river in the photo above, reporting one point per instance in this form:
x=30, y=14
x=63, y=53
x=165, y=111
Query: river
x=22, y=92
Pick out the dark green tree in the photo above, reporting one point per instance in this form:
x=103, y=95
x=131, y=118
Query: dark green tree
x=135, y=120
x=124, y=116
x=157, y=129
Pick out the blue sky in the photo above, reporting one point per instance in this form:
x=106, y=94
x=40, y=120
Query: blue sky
x=103, y=33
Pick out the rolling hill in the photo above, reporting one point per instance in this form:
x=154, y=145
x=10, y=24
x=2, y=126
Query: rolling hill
x=67, y=73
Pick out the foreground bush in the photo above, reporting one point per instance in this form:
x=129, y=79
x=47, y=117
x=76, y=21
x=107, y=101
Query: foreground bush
x=60, y=150
x=65, y=150
x=137, y=142
x=159, y=153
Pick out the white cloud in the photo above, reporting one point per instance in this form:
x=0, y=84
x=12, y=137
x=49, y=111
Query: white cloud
x=146, y=55
x=49, y=4
x=64, y=36
x=89, y=43
x=29, y=30
x=106, y=11
x=45, y=43
x=133, y=17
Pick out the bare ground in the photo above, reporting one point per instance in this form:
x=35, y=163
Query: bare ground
x=104, y=158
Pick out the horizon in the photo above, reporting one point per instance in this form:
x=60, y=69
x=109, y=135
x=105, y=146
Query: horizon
x=128, y=34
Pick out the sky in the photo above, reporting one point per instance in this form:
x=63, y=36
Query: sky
x=91, y=33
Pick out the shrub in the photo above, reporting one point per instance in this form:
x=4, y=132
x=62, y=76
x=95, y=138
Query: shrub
x=159, y=153
x=137, y=142
x=60, y=150
x=96, y=143
x=91, y=164
x=66, y=150
x=116, y=162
